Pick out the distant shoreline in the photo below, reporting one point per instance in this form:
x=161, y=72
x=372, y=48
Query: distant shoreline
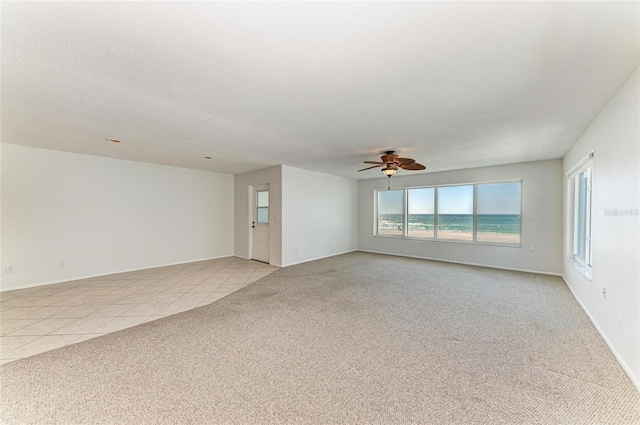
x=489, y=224
x=508, y=238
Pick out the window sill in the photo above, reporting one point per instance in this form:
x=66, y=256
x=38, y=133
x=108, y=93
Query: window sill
x=463, y=242
x=585, y=270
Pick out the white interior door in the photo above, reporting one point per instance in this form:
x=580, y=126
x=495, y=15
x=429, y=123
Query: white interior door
x=260, y=223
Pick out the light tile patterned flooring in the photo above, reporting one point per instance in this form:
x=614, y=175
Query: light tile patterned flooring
x=44, y=318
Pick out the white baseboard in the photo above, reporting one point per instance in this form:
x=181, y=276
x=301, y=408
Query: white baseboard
x=51, y=282
x=625, y=367
x=463, y=263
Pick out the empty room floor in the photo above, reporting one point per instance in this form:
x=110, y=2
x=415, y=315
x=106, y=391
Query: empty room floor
x=44, y=318
x=355, y=338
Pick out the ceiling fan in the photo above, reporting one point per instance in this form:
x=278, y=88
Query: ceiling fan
x=391, y=162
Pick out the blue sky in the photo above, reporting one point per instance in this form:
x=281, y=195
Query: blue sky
x=493, y=198
x=421, y=200
x=390, y=202
x=455, y=199
x=499, y=198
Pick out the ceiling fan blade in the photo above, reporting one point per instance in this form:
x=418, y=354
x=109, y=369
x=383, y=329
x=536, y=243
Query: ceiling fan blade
x=374, y=162
x=413, y=167
x=375, y=166
x=405, y=161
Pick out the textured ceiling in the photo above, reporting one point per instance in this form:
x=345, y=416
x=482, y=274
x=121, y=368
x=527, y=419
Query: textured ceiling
x=319, y=86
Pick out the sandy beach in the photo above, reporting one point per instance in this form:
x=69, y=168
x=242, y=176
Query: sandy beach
x=503, y=238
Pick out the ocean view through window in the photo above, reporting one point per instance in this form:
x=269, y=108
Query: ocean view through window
x=498, y=212
x=421, y=206
x=486, y=213
x=391, y=212
x=455, y=213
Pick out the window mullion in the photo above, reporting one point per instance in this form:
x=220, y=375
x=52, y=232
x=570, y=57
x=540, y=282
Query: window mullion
x=475, y=212
x=405, y=215
x=435, y=213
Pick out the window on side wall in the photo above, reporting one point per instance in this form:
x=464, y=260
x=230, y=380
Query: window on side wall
x=580, y=182
x=582, y=217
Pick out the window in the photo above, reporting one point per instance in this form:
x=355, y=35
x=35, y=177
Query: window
x=487, y=213
x=582, y=217
x=498, y=212
x=579, y=179
x=455, y=212
x=262, y=207
x=390, y=212
x=421, y=208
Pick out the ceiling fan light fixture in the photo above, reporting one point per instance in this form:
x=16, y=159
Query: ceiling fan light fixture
x=389, y=171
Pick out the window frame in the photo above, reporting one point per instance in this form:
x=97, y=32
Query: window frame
x=435, y=238
x=585, y=266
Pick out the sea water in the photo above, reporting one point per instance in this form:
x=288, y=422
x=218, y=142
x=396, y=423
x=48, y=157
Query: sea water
x=487, y=223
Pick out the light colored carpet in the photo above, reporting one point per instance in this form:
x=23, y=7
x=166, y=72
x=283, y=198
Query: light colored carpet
x=357, y=338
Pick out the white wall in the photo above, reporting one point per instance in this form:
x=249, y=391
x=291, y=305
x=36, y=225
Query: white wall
x=102, y=215
x=541, y=219
x=1, y=262
x=614, y=137
x=242, y=191
x=319, y=215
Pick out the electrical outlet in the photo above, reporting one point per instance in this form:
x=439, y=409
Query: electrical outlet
x=532, y=247
x=8, y=269
x=604, y=293
x=63, y=264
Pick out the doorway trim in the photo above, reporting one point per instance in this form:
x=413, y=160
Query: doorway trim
x=253, y=191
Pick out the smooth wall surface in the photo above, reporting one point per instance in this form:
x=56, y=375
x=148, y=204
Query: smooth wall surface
x=242, y=225
x=614, y=137
x=541, y=218
x=319, y=215
x=102, y=215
